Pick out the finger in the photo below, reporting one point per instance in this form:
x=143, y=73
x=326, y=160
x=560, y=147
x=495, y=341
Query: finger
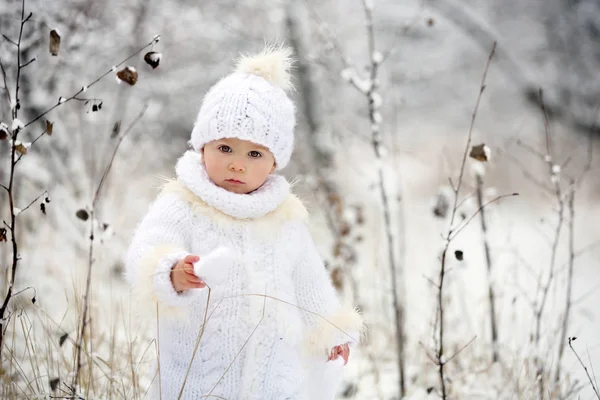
x=189, y=269
x=194, y=279
x=190, y=259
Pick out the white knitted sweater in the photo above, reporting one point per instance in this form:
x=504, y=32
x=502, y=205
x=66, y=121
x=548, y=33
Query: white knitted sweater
x=273, y=313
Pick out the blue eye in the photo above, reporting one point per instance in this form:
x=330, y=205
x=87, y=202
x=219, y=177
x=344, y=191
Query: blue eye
x=255, y=154
x=225, y=149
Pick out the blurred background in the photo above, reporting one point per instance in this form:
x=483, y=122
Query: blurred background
x=385, y=94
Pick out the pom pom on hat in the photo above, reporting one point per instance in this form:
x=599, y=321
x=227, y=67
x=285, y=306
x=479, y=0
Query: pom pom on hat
x=272, y=64
x=251, y=104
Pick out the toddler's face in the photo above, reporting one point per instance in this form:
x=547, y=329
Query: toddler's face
x=237, y=165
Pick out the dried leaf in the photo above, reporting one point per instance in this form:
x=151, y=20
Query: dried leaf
x=43, y=208
x=82, y=214
x=20, y=147
x=345, y=229
x=116, y=129
x=480, y=152
x=128, y=74
x=54, y=42
x=49, y=127
x=430, y=21
x=3, y=131
x=62, y=339
x=152, y=58
x=54, y=384
x=3, y=235
x=33, y=300
x=459, y=255
x=442, y=204
x=337, y=278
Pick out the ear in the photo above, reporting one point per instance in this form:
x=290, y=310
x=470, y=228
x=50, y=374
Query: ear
x=202, y=154
x=273, y=168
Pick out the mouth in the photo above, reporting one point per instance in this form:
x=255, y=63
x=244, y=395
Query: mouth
x=234, y=181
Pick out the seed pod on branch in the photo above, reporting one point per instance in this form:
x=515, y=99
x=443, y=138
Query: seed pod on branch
x=152, y=58
x=128, y=74
x=54, y=42
x=480, y=152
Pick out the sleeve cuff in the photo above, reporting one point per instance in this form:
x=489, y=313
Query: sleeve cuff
x=344, y=326
x=154, y=284
x=163, y=286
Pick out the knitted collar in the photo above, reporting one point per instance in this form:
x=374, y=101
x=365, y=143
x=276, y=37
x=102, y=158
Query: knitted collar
x=191, y=172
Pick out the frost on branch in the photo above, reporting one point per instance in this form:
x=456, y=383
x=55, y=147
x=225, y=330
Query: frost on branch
x=376, y=99
x=377, y=57
x=152, y=58
x=128, y=74
x=17, y=125
x=349, y=75
x=54, y=42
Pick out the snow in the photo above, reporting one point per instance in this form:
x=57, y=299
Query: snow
x=61, y=100
x=377, y=57
x=17, y=124
x=377, y=99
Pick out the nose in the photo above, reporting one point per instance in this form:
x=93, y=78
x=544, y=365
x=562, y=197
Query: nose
x=237, y=166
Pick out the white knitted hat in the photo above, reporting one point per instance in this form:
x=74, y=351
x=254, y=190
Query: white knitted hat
x=251, y=104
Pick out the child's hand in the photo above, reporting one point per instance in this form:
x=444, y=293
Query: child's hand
x=343, y=351
x=183, y=277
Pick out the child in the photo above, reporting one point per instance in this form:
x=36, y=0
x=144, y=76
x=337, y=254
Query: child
x=246, y=308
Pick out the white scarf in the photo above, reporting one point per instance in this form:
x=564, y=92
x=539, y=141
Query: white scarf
x=191, y=172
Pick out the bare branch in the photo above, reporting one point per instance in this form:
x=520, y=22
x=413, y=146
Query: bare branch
x=464, y=224
x=33, y=202
x=443, y=267
x=468, y=145
x=568, y=299
x=9, y=40
x=461, y=349
x=571, y=339
x=29, y=62
x=112, y=158
x=66, y=100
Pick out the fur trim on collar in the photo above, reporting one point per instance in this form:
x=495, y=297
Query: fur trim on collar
x=289, y=210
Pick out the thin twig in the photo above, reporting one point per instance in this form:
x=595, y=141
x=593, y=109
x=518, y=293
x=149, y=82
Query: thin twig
x=114, y=153
x=571, y=339
x=243, y=346
x=488, y=262
x=81, y=332
x=568, y=299
x=33, y=202
x=198, y=339
x=557, y=233
x=461, y=349
x=480, y=209
x=441, y=362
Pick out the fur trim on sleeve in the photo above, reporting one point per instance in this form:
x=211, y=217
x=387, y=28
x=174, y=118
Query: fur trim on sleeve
x=154, y=282
x=345, y=326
